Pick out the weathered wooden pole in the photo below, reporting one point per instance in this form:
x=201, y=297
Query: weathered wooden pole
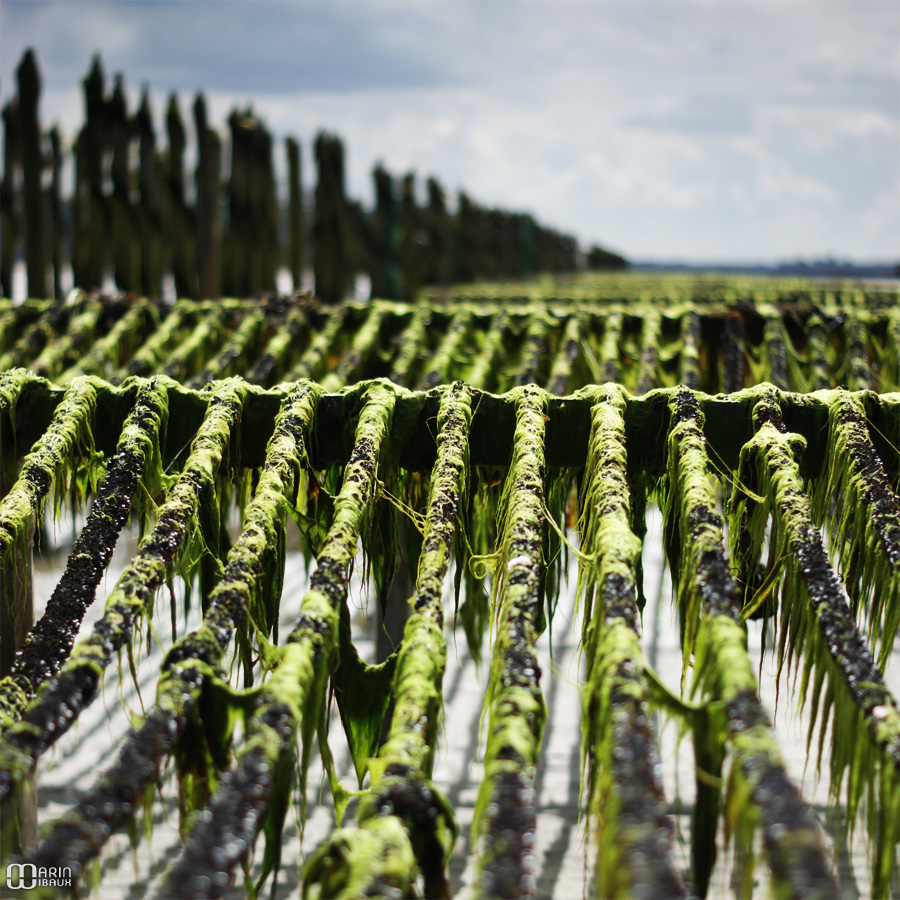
x=56, y=212
x=96, y=142
x=329, y=224
x=209, y=165
x=150, y=216
x=32, y=157
x=9, y=226
x=181, y=238
x=383, y=271
x=295, y=213
x=267, y=238
x=126, y=259
x=437, y=231
x=410, y=247
x=236, y=282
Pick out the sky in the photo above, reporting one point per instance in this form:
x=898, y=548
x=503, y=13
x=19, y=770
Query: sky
x=714, y=131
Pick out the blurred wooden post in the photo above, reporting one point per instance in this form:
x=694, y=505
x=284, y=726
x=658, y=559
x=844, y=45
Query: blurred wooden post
x=180, y=236
x=295, y=213
x=16, y=621
x=410, y=247
x=268, y=236
x=383, y=270
x=238, y=212
x=151, y=204
x=32, y=158
x=437, y=231
x=81, y=215
x=255, y=235
x=126, y=259
x=56, y=212
x=329, y=224
x=96, y=143
x=9, y=230
x=207, y=178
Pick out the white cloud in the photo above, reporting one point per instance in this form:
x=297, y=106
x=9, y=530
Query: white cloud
x=663, y=128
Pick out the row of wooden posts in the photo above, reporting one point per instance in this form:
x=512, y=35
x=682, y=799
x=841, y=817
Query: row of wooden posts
x=130, y=214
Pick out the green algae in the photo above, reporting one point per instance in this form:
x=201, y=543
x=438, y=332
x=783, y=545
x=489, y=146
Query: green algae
x=514, y=705
x=291, y=698
x=839, y=681
x=855, y=497
x=317, y=357
x=137, y=451
x=401, y=789
x=77, y=682
x=110, y=352
x=53, y=460
x=625, y=800
x=709, y=603
x=149, y=356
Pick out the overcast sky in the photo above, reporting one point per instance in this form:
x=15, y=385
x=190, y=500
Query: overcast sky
x=736, y=130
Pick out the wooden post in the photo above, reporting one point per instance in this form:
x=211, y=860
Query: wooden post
x=207, y=178
x=95, y=146
x=238, y=209
x=295, y=213
x=410, y=248
x=270, y=236
x=329, y=223
x=9, y=230
x=124, y=229
x=151, y=204
x=180, y=237
x=32, y=158
x=437, y=230
x=383, y=260
x=56, y=212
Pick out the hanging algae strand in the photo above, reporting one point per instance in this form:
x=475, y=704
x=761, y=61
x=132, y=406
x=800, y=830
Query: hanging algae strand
x=77, y=683
x=54, y=460
x=619, y=753
x=709, y=602
x=505, y=813
x=816, y=619
x=249, y=584
x=855, y=496
x=292, y=697
x=360, y=862
x=135, y=466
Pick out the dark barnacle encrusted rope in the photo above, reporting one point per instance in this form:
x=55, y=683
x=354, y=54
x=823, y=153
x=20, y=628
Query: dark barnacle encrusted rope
x=240, y=347
x=252, y=573
x=610, y=346
x=816, y=619
x=534, y=349
x=272, y=363
x=648, y=371
x=108, y=352
x=446, y=357
x=291, y=698
x=137, y=458
x=68, y=436
x=187, y=357
x=689, y=358
x=150, y=354
x=709, y=602
x=365, y=343
x=411, y=342
x=76, y=684
x=401, y=786
x=626, y=802
x=505, y=815
x=855, y=496
x=569, y=347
